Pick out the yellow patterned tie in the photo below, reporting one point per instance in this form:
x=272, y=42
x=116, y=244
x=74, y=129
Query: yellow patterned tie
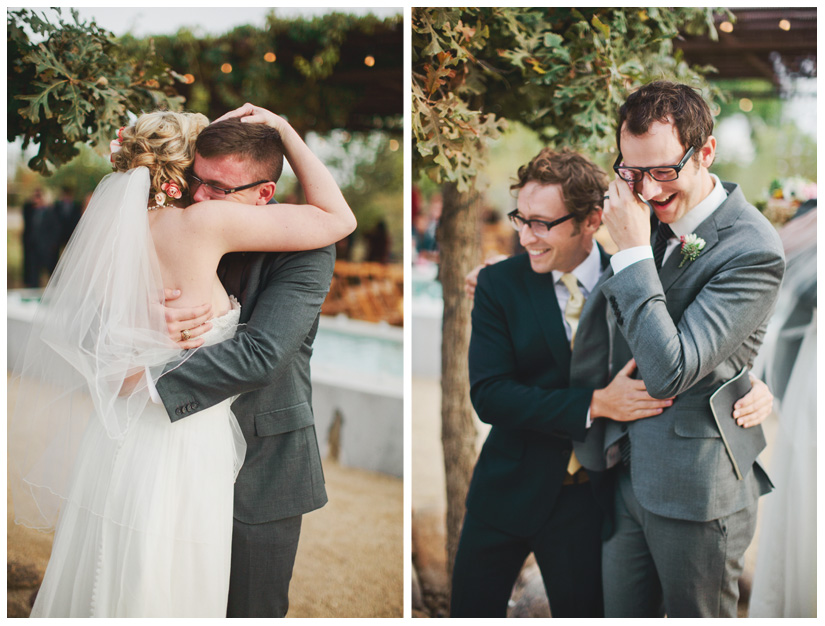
x=571, y=313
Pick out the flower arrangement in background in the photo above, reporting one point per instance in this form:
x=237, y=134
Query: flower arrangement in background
x=785, y=196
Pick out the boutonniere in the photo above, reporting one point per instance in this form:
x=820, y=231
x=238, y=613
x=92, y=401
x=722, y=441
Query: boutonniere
x=691, y=247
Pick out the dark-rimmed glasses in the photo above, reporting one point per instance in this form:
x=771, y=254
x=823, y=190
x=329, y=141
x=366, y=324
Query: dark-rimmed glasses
x=540, y=228
x=662, y=174
x=220, y=192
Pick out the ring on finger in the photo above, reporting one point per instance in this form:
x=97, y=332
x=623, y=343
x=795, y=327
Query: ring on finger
x=184, y=335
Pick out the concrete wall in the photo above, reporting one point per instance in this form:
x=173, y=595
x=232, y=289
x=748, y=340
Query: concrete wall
x=369, y=432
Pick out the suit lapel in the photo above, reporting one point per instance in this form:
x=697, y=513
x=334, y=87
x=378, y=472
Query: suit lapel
x=671, y=271
x=589, y=366
x=542, y=294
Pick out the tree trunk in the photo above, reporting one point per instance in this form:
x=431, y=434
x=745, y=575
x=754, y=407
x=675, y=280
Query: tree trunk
x=459, y=240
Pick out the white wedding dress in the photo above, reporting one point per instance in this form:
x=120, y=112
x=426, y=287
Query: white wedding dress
x=163, y=549
x=141, y=507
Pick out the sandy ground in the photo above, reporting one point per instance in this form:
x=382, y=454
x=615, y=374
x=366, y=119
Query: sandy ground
x=428, y=491
x=350, y=556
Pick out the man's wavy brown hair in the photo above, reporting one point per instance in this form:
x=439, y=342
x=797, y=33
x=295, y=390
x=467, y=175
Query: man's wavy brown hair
x=583, y=183
x=669, y=103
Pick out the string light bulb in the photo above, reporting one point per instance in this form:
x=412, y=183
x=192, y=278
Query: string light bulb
x=784, y=25
x=270, y=57
x=369, y=61
x=726, y=27
x=226, y=68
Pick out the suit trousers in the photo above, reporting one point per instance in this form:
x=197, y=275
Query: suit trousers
x=567, y=549
x=263, y=556
x=655, y=566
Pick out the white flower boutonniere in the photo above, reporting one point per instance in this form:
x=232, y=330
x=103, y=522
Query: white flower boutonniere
x=691, y=247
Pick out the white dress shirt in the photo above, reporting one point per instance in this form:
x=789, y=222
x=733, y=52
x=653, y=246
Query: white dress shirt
x=685, y=225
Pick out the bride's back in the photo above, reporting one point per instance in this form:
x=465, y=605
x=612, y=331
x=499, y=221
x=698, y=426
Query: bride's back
x=164, y=143
x=188, y=259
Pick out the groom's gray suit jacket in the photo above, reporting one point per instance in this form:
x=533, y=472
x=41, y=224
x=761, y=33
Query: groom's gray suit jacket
x=267, y=363
x=692, y=328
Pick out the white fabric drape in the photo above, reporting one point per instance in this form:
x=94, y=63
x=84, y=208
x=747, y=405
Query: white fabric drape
x=99, y=321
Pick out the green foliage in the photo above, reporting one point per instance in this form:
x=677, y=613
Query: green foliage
x=318, y=78
x=563, y=72
x=76, y=85
x=376, y=192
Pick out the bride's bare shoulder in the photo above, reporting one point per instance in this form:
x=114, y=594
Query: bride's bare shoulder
x=209, y=211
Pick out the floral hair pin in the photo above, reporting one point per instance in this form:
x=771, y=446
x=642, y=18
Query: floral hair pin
x=116, y=144
x=168, y=190
x=691, y=247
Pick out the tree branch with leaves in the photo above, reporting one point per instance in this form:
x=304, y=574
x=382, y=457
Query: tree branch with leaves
x=76, y=85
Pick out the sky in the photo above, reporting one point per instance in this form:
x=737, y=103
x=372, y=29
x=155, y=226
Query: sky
x=142, y=21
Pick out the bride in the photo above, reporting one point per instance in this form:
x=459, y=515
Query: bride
x=141, y=506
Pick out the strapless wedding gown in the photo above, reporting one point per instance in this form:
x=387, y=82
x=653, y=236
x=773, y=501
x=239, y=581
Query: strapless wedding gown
x=163, y=547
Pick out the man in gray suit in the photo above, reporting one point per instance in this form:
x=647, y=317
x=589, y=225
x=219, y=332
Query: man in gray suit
x=692, y=315
x=267, y=363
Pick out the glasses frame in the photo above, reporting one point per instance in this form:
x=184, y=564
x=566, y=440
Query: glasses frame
x=514, y=218
x=226, y=192
x=678, y=168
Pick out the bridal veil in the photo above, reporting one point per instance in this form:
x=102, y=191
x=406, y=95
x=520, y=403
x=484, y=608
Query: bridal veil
x=100, y=321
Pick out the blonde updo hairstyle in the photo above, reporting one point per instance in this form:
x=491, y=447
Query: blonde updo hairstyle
x=164, y=142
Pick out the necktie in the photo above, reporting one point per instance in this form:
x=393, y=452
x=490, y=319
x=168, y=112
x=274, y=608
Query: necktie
x=571, y=313
x=574, y=304
x=663, y=233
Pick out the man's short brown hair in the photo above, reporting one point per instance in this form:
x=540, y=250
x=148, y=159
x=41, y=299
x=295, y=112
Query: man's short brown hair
x=669, y=103
x=583, y=183
x=257, y=144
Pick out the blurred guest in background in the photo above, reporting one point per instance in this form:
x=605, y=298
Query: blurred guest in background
x=378, y=243
x=41, y=233
x=67, y=214
x=425, y=226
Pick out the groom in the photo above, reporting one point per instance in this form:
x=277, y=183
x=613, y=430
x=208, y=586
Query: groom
x=267, y=364
x=692, y=321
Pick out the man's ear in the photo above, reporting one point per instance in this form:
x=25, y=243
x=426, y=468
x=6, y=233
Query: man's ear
x=265, y=193
x=708, y=152
x=593, y=220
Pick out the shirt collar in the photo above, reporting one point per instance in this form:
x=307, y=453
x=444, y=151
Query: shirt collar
x=688, y=223
x=587, y=272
